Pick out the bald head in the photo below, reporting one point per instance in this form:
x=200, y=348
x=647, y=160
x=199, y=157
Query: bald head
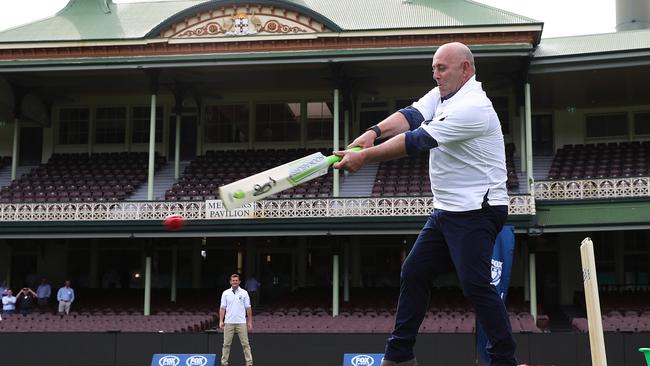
x=453, y=65
x=459, y=51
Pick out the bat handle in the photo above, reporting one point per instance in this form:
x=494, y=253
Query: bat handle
x=335, y=159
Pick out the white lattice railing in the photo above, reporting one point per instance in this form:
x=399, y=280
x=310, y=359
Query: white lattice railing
x=199, y=210
x=592, y=188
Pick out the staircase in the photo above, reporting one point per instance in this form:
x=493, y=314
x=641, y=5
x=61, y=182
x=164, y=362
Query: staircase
x=541, y=166
x=5, y=173
x=521, y=177
x=163, y=180
x=359, y=184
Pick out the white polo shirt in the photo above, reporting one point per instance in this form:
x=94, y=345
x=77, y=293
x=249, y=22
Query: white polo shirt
x=235, y=303
x=469, y=164
x=9, y=303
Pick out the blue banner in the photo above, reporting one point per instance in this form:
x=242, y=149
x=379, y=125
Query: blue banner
x=362, y=359
x=183, y=359
x=504, y=248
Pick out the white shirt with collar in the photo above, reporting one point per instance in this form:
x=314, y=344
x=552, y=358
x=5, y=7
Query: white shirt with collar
x=468, y=165
x=9, y=303
x=43, y=291
x=235, y=303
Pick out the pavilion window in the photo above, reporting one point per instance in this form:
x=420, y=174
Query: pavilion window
x=73, y=125
x=141, y=117
x=320, y=121
x=277, y=122
x=606, y=125
x=227, y=123
x=642, y=123
x=110, y=125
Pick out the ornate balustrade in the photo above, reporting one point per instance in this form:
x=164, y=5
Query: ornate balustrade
x=198, y=210
x=592, y=188
x=570, y=190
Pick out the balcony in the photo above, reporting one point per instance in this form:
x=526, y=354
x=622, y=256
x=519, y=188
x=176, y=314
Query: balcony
x=270, y=209
x=592, y=189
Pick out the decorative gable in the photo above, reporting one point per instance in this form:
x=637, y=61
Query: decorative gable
x=242, y=20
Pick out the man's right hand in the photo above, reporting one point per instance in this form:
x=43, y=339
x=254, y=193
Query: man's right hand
x=221, y=324
x=366, y=140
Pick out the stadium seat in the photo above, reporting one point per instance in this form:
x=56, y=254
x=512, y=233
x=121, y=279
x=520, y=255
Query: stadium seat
x=81, y=177
x=201, y=179
x=602, y=160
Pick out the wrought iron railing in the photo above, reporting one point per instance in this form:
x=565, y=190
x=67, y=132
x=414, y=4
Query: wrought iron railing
x=199, y=210
x=592, y=188
x=570, y=190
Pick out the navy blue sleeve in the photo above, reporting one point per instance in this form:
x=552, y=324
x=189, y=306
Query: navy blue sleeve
x=418, y=141
x=413, y=116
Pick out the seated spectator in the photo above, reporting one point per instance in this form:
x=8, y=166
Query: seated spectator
x=26, y=297
x=9, y=303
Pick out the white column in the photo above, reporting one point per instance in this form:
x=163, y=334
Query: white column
x=147, y=285
x=533, y=286
x=529, y=140
x=346, y=131
x=152, y=148
x=335, y=286
x=522, y=138
x=14, y=153
x=335, y=145
x=177, y=146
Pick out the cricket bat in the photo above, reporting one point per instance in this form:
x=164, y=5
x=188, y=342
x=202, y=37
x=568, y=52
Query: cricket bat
x=592, y=302
x=272, y=181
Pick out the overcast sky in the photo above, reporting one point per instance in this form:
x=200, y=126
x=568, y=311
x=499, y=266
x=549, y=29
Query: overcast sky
x=560, y=17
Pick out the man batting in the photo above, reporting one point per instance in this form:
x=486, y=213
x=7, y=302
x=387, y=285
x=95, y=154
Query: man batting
x=457, y=124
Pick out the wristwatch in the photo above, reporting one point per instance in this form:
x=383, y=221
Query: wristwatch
x=375, y=129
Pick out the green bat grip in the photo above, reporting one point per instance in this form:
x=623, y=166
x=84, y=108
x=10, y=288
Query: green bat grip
x=335, y=159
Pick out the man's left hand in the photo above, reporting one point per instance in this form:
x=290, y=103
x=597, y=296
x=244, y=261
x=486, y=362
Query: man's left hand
x=351, y=160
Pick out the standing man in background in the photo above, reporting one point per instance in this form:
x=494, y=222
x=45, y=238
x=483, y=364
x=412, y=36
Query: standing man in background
x=457, y=124
x=8, y=303
x=26, y=297
x=253, y=286
x=43, y=293
x=235, y=308
x=3, y=288
x=65, y=296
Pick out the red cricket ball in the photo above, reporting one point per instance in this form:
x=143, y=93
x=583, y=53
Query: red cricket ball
x=174, y=222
